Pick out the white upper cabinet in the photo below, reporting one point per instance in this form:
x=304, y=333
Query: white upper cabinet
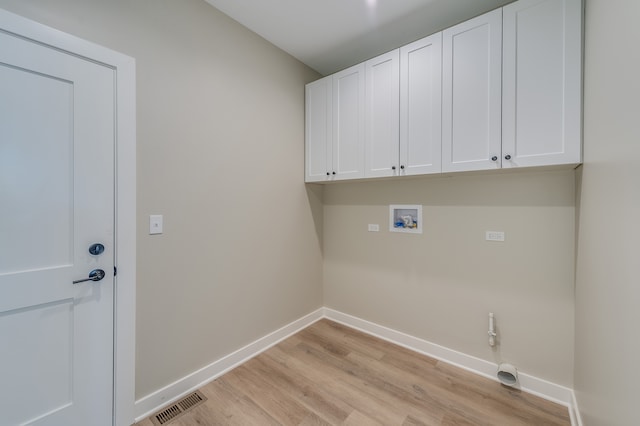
x=404, y=110
x=318, y=130
x=421, y=106
x=472, y=95
x=348, y=123
x=334, y=126
x=501, y=90
x=542, y=83
x=382, y=115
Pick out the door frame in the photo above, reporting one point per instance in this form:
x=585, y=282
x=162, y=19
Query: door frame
x=125, y=196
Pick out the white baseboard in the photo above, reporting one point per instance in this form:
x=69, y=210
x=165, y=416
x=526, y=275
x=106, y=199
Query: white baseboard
x=574, y=412
x=153, y=402
x=530, y=384
x=176, y=390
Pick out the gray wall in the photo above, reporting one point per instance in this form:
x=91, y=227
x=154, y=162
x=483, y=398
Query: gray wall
x=608, y=260
x=441, y=285
x=220, y=155
x=220, y=130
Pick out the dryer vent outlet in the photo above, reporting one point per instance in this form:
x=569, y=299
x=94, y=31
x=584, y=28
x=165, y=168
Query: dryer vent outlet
x=508, y=375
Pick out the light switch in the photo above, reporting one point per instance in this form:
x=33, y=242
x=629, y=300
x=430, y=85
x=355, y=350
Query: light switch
x=155, y=224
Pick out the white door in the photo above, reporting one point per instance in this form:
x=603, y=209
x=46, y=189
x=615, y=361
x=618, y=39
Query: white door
x=421, y=106
x=472, y=94
x=348, y=123
x=382, y=133
x=541, y=106
x=56, y=200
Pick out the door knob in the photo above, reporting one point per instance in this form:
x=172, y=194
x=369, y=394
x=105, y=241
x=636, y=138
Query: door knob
x=95, y=275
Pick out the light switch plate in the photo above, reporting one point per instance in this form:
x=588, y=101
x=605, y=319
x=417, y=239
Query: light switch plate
x=494, y=236
x=374, y=227
x=155, y=224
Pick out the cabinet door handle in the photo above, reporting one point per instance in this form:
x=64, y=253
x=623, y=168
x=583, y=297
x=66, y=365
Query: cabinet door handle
x=328, y=174
x=334, y=173
x=402, y=167
x=507, y=157
x=393, y=167
x=494, y=158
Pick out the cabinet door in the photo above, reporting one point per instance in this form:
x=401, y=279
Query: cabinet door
x=348, y=123
x=382, y=116
x=542, y=83
x=421, y=106
x=318, y=130
x=471, y=116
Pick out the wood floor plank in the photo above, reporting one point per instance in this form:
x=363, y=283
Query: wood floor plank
x=226, y=406
x=412, y=421
x=364, y=388
x=285, y=410
x=356, y=418
x=304, y=387
x=347, y=385
x=330, y=374
x=372, y=343
x=342, y=334
x=312, y=419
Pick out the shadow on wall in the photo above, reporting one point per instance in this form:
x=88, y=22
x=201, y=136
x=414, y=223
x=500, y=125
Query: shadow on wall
x=496, y=188
x=578, y=176
x=315, y=195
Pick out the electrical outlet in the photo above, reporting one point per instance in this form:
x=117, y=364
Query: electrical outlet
x=494, y=236
x=374, y=227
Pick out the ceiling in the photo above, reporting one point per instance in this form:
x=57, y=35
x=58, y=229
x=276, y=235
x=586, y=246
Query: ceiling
x=330, y=35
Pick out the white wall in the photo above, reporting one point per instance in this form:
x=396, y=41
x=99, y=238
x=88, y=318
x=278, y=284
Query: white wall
x=441, y=285
x=220, y=155
x=608, y=256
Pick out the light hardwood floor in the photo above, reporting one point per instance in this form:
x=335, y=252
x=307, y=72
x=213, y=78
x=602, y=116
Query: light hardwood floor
x=329, y=374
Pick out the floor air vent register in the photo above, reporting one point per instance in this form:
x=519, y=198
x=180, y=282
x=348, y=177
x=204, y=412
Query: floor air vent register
x=179, y=408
